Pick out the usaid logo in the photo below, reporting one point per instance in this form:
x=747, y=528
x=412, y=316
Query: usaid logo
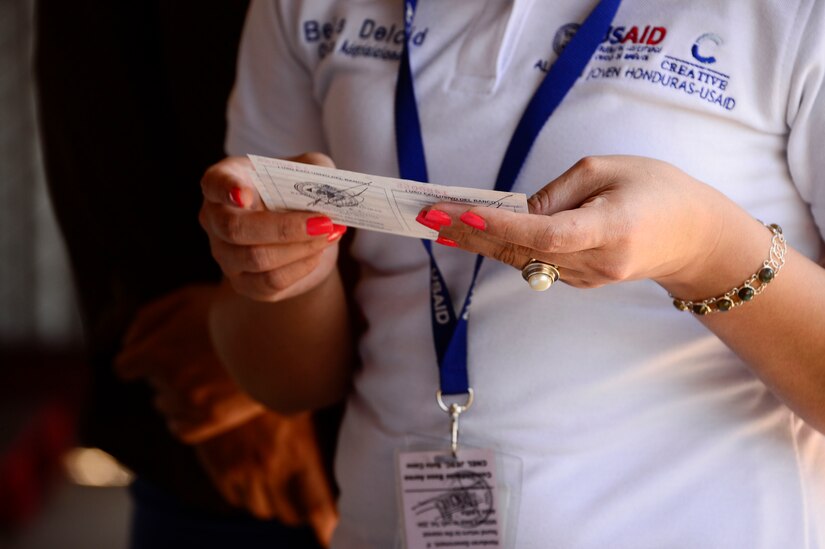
x=619, y=35
x=563, y=37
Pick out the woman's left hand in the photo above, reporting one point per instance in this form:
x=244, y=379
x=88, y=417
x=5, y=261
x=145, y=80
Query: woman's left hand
x=617, y=218
x=607, y=219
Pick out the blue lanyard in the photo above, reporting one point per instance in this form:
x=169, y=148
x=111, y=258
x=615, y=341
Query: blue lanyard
x=449, y=329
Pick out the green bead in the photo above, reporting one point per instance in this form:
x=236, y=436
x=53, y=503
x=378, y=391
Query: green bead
x=701, y=309
x=746, y=293
x=766, y=275
x=679, y=304
x=724, y=304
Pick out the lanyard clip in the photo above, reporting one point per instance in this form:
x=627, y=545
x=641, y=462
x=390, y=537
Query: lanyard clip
x=454, y=410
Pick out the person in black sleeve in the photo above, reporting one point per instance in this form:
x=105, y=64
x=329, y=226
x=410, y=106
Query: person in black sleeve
x=132, y=100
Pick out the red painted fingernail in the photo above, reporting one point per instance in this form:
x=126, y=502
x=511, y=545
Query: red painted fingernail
x=429, y=224
x=437, y=216
x=319, y=225
x=447, y=242
x=474, y=221
x=337, y=232
x=236, y=197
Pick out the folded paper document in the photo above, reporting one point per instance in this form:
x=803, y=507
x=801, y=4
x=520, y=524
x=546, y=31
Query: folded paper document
x=364, y=201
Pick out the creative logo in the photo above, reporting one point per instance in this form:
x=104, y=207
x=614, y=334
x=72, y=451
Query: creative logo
x=701, y=45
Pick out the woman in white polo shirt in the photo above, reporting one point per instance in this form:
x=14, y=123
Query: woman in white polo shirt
x=636, y=424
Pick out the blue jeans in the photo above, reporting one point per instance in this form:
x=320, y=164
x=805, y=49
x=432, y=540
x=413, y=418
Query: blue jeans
x=161, y=521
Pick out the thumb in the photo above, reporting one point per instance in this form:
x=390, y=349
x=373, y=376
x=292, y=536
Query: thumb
x=315, y=158
x=230, y=182
x=241, y=189
x=324, y=519
x=572, y=188
x=318, y=498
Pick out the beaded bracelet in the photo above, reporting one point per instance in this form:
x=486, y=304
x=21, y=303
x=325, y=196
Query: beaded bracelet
x=752, y=287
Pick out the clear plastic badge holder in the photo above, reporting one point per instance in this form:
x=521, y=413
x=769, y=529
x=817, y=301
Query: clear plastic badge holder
x=467, y=500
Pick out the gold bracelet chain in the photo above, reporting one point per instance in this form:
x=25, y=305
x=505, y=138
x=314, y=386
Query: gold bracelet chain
x=750, y=288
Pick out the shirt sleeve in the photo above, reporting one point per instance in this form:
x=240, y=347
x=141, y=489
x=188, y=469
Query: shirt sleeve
x=272, y=110
x=806, y=111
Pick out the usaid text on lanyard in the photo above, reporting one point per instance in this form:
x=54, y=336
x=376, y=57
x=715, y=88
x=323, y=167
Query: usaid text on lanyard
x=450, y=334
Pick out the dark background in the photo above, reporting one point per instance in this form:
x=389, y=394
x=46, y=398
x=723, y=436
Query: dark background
x=124, y=91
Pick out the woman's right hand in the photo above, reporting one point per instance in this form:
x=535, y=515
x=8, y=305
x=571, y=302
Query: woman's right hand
x=266, y=256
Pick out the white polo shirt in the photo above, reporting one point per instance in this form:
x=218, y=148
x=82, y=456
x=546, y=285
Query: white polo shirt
x=637, y=427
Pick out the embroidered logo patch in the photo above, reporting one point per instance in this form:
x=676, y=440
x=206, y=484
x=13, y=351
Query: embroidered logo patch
x=701, y=45
x=636, y=53
x=373, y=39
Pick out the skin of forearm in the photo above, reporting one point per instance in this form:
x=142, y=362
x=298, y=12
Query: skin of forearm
x=780, y=333
x=291, y=355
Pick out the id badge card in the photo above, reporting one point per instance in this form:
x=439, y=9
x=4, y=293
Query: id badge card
x=467, y=500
